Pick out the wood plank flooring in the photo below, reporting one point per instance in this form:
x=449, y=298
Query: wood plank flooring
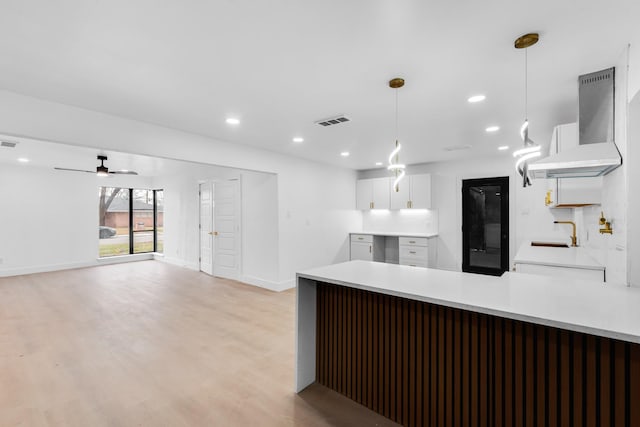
x=151, y=344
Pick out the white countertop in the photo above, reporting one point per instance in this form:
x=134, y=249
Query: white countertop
x=591, y=307
x=395, y=234
x=560, y=257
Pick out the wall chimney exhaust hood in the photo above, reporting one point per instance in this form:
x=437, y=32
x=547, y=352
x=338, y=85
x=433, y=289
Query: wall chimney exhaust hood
x=596, y=154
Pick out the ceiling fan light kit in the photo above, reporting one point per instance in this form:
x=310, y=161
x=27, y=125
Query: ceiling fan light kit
x=101, y=170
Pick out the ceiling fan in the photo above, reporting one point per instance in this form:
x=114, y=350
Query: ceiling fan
x=101, y=170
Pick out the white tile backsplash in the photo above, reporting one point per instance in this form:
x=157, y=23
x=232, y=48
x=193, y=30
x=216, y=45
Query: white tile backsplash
x=401, y=221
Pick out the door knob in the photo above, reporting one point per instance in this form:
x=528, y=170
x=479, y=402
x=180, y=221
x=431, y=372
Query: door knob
x=213, y=233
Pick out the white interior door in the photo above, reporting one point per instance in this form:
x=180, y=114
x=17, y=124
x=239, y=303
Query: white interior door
x=226, y=229
x=206, y=228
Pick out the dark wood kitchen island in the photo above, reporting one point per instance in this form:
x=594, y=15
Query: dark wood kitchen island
x=434, y=347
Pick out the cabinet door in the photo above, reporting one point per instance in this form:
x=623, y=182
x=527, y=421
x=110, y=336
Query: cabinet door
x=380, y=193
x=400, y=199
x=362, y=251
x=421, y=191
x=364, y=194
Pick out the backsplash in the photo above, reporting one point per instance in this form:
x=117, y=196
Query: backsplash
x=401, y=221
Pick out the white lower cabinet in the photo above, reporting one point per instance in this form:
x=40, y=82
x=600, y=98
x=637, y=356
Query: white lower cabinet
x=363, y=251
x=414, y=251
x=366, y=247
x=556, y=271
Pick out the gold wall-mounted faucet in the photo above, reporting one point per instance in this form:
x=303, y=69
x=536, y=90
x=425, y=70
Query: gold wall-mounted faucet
x=574, y=239
x=607, y=225
x=547, y=198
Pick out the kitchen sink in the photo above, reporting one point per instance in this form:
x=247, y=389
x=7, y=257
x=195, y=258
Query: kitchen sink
x=550, y=244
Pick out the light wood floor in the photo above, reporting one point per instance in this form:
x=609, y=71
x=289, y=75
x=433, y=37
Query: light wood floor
x=152, y=344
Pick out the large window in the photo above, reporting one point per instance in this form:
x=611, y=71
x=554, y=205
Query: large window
x=130, y=221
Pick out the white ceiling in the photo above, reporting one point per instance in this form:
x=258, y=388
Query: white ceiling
x=49, y=155
x=283, y=64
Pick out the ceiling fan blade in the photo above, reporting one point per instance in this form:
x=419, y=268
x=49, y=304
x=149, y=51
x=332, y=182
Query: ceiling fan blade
x=124, y=172
x=74, y=170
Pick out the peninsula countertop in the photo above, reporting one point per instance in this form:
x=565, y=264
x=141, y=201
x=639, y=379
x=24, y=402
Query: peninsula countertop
x=608, y=310
x=577, y=257
x=396, y=234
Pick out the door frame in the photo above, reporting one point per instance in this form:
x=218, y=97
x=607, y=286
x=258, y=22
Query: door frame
x=503, y=182
x=200, y=225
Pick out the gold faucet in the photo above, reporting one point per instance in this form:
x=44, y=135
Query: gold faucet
x=547, y=198
x=574, y=239
x=607, y=225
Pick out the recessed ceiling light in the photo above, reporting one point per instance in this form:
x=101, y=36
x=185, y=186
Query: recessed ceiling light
x=345, y=154
x=503, y=147
x=378, y=163
x=298, y=139
x=233, y=121
x=493, y=129
x=23, y=160
x=476, y=98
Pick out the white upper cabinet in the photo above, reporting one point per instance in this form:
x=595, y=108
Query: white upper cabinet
x=569, y=192
x=372, y=193
x=414, y=193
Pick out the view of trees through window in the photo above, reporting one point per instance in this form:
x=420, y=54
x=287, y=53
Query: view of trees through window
x=131, y=221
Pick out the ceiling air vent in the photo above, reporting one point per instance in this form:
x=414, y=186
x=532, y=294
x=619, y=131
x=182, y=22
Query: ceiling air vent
x=333, y=121
x=8, y=144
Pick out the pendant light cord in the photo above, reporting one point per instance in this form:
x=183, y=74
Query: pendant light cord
x=526, y=86
x=396, y=90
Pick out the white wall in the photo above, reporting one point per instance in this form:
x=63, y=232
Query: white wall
x=403, y=220
x=316, y=213
x=316, y=203
x=49, y=219
x=260, y=239
x=447, y=200
x=633, y=161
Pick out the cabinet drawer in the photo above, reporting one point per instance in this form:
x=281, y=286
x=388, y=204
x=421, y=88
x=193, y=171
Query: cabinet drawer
x=414, y=263
x=368, y=238
x=420, y=252
x=413, y=241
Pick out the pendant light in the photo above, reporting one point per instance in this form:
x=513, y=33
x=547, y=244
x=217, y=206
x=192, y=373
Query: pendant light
x=394, y=165
x=530, y=149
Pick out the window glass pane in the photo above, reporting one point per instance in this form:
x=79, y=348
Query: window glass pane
x=142, y=221
x=160, y=220
x=484, y=226
x=113, y=221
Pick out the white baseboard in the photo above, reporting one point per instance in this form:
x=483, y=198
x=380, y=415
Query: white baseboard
x=19, y=271
x=268, y=284
x=177, y=261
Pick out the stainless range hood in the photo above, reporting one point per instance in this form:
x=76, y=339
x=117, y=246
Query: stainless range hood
x=596, y=154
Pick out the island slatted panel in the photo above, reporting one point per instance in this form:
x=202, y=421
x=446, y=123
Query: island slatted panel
x=422, y=364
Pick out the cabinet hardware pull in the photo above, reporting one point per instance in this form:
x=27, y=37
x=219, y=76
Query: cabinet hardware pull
x=359, y=238
x=369, y=248
x=412, y=252
x=408, y=204
x=412, y=241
